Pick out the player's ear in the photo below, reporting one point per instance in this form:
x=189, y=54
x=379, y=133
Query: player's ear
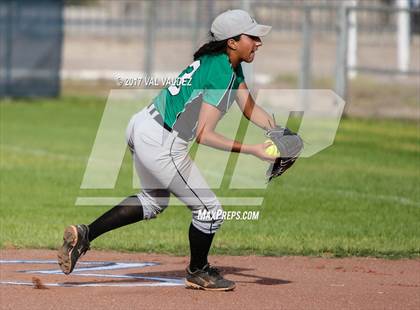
x=232, y=44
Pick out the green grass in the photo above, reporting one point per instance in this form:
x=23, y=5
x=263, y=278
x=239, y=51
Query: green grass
x=358, y=197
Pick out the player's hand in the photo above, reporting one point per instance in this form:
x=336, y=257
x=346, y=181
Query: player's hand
x=259, y=150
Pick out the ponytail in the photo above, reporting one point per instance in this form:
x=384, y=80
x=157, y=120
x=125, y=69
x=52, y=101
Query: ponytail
x=213, y=47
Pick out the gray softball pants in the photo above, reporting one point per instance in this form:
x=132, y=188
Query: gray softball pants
x=163, y=165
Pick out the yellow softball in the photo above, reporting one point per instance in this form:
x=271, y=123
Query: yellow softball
x=272, y=149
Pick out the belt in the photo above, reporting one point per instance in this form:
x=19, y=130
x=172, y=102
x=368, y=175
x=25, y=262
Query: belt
x=158, y=118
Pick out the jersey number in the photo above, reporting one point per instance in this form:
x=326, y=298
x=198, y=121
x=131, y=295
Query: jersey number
x=175, y=89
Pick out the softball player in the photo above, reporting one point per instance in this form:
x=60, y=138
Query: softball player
x=158, y=138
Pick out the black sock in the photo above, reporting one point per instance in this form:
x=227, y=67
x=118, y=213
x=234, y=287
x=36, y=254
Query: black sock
x=127, y=212
x=199, y=246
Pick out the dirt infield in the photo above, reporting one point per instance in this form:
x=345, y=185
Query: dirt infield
x=111, y=280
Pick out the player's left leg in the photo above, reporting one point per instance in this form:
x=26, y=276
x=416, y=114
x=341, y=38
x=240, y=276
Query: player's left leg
x=190, y=187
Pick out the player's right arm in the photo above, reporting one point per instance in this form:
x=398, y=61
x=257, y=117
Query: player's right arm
x=207, y=121
x=251, y=110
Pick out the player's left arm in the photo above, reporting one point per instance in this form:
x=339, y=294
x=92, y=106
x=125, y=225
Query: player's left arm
x=251, y=110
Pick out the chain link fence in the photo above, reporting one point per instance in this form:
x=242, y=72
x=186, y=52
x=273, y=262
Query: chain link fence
x=311, y=40
x=161, y=36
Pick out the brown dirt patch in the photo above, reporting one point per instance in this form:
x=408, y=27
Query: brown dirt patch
x=262, y=283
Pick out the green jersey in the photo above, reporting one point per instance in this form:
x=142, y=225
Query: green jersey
x=209, y=79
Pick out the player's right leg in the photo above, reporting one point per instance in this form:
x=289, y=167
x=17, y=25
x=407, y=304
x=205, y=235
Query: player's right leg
x=151, y=201
x=75, y=244
x=77, y=238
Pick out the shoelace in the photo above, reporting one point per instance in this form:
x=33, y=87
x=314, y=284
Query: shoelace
x=213, y=271
x=85, y=249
